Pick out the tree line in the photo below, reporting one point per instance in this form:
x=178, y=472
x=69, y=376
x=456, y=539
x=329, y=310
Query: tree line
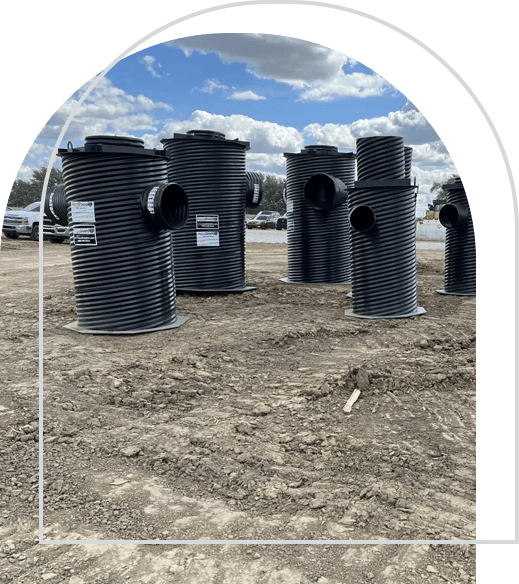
x=272, y=199
x=24, y=192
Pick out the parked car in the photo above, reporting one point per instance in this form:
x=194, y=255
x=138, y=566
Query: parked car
x=55, y=233
x=27, y=222
x=281, y=222
x=263, y=220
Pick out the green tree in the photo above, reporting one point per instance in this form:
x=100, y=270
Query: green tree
x=25, y=192
x=272, y=199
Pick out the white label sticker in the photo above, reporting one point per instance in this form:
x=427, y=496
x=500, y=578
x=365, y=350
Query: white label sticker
x=207, y=239
x=207, y=222
x=85, y=235
x=255, y=197
x=290, y=225
x=151, y=200
x=290, y=206
x=82, y=211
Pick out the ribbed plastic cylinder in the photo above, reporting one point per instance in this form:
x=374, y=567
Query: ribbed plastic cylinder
x=460, y=242
x=380, y=158
x=55, y=205
x=408, y=157
x=253, y=190
x=318, y=240
x=122, y=260
x=210, y=249
x=383, y=232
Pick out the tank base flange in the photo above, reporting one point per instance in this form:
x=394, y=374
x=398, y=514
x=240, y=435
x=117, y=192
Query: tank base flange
x=74, y=326
x=182, y=291
x=287, y=281
x=420, y=310
x=444, y=293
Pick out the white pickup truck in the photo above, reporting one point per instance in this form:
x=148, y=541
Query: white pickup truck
x=27, y=222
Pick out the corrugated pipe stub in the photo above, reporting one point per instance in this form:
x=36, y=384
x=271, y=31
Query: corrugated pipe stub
x=121, y=210
x=317, y=215
x=460, y=242
x=253, y=190
x=210, y=249
x=55, y=205
x=383, y=232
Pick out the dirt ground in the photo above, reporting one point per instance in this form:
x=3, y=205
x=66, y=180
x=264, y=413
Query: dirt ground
x=232, y=427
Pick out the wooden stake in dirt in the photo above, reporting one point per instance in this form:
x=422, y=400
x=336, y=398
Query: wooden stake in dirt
x=353, y=398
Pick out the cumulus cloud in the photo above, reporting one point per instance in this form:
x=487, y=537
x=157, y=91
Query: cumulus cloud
x=408, y=123
x=330, y=134
x=246, y=96
x=346, y=85
x=433, y=153
x=411, y=125
x=148, y=61
x=264, y=137
x=268, y=163
x=107, y=109
x=316, y=71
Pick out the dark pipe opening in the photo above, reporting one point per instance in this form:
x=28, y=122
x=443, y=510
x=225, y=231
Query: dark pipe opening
x=362, y=218
x=324, y=192
x=319, y=191
x=165, y=206
x=174, y=206
x=452, y=216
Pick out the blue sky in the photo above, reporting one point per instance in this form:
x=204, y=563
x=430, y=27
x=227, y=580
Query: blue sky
x=278, y=93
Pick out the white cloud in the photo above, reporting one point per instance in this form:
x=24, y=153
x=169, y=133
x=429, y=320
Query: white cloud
x=107, y=109
x=211, y=85
x=316, y=71
x=411, y=125
x=425, y=178
x=38, y=149
x=347, y=85
x=246, y=95
x=330, y=134
x=264, y=137
x=408, y=123
x=148, y=62
x=433, y=153
x=269, y=163
x=25, y=172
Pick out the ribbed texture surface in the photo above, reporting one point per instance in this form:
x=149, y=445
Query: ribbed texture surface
x=318, y=241
x=126, y=282
x=384, y=258
x=408, y=156
x=55, y=205
x=460, y=247
x=380, y=157
x=212, y=173
x=253, y=189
